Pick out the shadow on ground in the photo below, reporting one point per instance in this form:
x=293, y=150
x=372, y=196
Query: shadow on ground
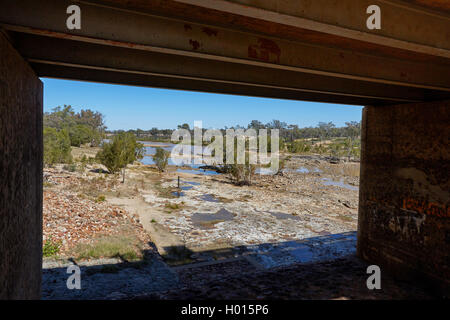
x=323, y=267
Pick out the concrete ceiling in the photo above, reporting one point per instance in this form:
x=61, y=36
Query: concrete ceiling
x=310, y=50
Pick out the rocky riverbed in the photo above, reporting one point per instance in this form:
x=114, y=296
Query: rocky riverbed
x=191, y=218
x=208, y=212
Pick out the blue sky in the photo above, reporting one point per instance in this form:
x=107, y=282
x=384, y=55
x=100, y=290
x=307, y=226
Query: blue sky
x=127, y=107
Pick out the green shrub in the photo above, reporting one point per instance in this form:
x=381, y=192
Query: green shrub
x=70, y=167
x=83, y=127
x=56, y=146
x=123, y=150
x=299, y=147
x=81, y=134
x=51, y=248
x=161, y=158
x=100, y=198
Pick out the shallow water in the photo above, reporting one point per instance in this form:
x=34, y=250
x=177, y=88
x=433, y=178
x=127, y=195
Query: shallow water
x=313, y=249
x=178, y=194
x=202, y=220
x=302, y=170
x=341, y=183
x=264, y=171
x=209, y=198
x=192, y=183
x=201, y=172
x=283, y=216
x=150, y=151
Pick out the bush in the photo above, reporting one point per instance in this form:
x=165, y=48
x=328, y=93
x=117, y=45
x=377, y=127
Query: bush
x=70, y=167
x=241, y=174
x=100, y=198
x=56, y=146
x=123, y=150
x=299, y=147
x=161, y=158
x=50, y=248
x=84, y=127
x=82, y=134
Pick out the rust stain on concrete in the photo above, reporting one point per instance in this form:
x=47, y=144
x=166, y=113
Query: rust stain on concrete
x=210, y=31
x=266, y=50
x=195, y=44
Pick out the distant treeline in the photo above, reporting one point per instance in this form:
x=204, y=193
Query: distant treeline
x=288, y=132
x=63, y=128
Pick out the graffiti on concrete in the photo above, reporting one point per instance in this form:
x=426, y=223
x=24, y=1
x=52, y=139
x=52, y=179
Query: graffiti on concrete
x=426, y=207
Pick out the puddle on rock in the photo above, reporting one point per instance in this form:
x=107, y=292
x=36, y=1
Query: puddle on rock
x=283, y=216
x=178, y=194
x=265, y=171
x=308, y=170
x=341, y=183
x=208, y=220
x=201, y=171
x=192, y=183
x=320, y=248
x=209, y=198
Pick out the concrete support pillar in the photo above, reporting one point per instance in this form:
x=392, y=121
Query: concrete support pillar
x=20, y=176
x=404, y=209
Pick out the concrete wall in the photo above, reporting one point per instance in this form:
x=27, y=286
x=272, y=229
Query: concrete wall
x=404, y=210
x=20, y=176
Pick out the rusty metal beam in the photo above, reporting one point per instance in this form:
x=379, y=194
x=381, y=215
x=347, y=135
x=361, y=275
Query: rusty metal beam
x=160, y=34
x=70, y=53
x=218, y=54
x=403, y=26
x=440, y=5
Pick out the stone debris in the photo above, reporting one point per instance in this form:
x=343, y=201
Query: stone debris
x=271, y=240
x=69, y=219
x=274, y=209
x=340, y=279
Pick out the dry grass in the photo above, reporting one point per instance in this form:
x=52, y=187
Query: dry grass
x=125, y=247
x=78, y=152
x=95, y=188
x=164, y=192
x=349, y=169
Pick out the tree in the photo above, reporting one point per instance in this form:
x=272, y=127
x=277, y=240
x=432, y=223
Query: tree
x=325, y=129
x=353, y=129
x=276, y=124
x=255, y=124
x=241, y=174
x=81, y=134
x=161, y=158
x=184, y=126
x=56, y=146
x=86, y=126
x=123, y=150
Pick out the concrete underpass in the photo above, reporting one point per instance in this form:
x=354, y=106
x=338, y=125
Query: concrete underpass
x=316, y=51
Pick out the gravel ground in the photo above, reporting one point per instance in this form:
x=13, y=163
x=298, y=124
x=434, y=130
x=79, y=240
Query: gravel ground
x=342, y=279
x=289, y=237
x=108, y=279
